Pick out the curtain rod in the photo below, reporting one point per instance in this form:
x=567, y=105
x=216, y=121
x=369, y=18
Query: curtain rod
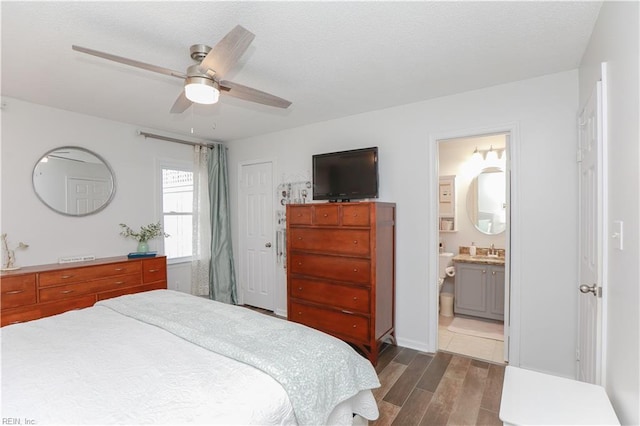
x=170, y=139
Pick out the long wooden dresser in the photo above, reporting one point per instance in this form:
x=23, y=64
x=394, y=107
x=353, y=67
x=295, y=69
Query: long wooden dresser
x=40, y=291
x=341, y=271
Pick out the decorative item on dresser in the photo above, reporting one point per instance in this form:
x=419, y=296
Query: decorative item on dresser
x=341, y=271
x=41, y=291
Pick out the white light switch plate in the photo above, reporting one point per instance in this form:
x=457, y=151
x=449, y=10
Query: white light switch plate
x=617, y=234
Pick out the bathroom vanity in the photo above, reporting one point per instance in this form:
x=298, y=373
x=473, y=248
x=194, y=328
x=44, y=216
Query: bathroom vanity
x=479, y=287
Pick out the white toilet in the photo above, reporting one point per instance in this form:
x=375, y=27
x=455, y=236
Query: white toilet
x=446, y=299
x=444, y=261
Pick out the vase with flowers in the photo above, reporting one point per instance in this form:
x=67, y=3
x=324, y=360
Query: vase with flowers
x=146, y=233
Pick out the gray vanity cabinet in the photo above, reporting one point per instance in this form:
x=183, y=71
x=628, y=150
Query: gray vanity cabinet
x=479, y=290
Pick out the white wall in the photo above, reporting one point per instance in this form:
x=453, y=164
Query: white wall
x=544, y=267
x=615, y=41
x=30, y=130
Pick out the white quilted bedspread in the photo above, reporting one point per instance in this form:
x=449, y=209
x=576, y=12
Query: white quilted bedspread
x=318, y=371
x=96, y=366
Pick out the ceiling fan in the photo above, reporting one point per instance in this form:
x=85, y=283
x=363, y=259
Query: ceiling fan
x=203, y=82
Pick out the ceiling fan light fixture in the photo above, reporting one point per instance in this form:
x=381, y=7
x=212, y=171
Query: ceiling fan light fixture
x=201, y=90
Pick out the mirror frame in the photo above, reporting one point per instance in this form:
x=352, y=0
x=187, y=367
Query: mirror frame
x=473, y=185
x=79, y=148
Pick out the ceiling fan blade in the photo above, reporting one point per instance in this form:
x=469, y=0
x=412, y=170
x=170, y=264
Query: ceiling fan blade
x=254, y=95
x=181, y=104
x=131, y=62
x=227, y=52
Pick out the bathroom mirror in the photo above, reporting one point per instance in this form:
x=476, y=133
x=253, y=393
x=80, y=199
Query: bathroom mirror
x=487, y=202
x=73, y=181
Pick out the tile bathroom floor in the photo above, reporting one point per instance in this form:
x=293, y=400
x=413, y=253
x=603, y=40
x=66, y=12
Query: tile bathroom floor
x=472, y=346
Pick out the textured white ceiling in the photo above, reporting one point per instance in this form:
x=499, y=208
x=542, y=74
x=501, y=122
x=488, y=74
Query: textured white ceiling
x=331, y=59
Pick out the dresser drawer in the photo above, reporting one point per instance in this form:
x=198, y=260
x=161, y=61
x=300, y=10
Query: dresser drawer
x=48, y=294
x=154, y=270
x=72, y=275
x=331, y=294
x=336, y=241
x=340, y=324
x=299, y=215
x=18, y=291
x=16, y=315
x=355, y=215
x=159, y=285
x=325, y=214
x=331, y=267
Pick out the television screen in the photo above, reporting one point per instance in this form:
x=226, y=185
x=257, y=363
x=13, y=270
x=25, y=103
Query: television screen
x=346, y=175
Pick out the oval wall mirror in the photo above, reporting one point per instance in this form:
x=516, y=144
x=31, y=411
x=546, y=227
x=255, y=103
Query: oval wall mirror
x=487, y=201
x=73, y=181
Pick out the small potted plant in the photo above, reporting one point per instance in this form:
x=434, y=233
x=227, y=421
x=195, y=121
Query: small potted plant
x=145, y=234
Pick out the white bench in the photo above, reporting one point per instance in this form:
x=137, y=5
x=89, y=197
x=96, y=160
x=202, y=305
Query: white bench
x=532, y=398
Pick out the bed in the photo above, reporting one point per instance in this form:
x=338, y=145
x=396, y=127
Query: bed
x=170, y=358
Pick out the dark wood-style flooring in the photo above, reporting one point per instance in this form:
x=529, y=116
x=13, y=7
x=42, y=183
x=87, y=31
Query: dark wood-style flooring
x=441, y=389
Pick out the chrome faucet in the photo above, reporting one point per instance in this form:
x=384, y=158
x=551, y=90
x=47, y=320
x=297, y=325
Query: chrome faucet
x=492, y=252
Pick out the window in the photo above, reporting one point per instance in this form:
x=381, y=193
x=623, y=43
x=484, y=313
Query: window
x=177, y=212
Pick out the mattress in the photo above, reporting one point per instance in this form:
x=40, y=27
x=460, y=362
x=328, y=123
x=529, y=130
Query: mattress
x=97, y=366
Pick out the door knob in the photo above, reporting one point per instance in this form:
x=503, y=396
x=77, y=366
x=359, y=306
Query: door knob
x=267, y=245
x=589, y=289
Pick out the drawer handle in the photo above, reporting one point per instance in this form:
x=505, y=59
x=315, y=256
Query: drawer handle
x=66, y=291
x=484, y=271
x=493, y=272
x=355, y=215
x=14, y=292
x=64, y=277
x=347, y=312
x=355, y=241
x=300, y=288
x=355, y=269
x=299, y=263
x=154, y=270
x=355, y=298
x=325, y=215
x=119, y=269
x=119, y=282
x=300, y=238
x=354, y=326
x=299, y=313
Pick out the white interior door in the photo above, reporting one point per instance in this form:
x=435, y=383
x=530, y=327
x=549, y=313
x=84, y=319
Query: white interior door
x=257, y=260
x=86, y=194
x=591, y=201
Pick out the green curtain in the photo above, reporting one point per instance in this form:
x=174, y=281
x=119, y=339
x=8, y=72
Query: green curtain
x=222, y=276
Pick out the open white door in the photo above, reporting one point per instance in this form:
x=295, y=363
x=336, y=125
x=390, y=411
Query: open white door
x=257, y=261
x=589, y=352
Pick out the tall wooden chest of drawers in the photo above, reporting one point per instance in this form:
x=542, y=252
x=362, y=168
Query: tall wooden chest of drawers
x=41, y=291
x=341, y=271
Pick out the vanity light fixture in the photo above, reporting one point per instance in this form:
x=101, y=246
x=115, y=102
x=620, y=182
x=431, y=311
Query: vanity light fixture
x=492, y=156
x=476, y=156
x=489, y=157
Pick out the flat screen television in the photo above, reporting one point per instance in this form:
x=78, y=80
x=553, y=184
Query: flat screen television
x=346, y=175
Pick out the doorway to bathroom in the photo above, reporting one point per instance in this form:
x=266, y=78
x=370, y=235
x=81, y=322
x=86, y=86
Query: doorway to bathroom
x=473, y=234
